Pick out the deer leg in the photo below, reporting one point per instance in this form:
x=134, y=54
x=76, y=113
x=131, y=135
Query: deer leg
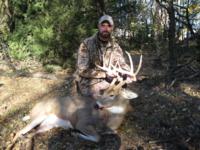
x=43, y=128
x=88, y=132
x=53, y=121
x=26, y=129
x=30, y=126
x=115, y=121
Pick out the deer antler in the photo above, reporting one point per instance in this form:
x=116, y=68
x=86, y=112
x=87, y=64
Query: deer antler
x=110, y=68
x=130, y=73
x=116, y=69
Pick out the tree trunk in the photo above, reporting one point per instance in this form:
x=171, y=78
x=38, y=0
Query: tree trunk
x=171, y=36
x=171, y=33
x=5, y=16
x=157, y=31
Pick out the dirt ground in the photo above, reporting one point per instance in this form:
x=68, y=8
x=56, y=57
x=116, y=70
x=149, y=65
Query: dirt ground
x=166, y=115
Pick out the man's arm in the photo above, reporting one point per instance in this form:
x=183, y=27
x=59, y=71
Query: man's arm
x=83, y=64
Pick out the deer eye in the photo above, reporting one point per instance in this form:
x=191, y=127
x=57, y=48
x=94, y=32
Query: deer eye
x=101, y=92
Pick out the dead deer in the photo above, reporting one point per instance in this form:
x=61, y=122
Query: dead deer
x=83, y=113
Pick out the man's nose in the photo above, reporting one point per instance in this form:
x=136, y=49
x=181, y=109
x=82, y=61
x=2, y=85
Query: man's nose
x=105, y=29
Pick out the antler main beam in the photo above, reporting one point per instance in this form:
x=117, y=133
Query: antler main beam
x=116, y=68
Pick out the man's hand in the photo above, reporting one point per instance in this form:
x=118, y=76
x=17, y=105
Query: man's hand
x=110, y=75
x=109, y=78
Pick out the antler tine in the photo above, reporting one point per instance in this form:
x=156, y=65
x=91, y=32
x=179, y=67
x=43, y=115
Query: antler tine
x=114, y=67
x=119, y=85
x=111, y=86
x=131, y=62
x=131, y=72
x=104, y=67
x=139, y=66
x=120, y=70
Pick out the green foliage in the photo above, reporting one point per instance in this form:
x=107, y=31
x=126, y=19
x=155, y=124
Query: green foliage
x=19, y=50
x=50, y=30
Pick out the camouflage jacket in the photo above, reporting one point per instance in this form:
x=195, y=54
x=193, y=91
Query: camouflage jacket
x=91, y=52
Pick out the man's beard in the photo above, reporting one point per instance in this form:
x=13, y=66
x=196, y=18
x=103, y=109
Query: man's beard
x=105, y=36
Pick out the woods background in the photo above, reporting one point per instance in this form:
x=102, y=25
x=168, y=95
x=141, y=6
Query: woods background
x=51, y=31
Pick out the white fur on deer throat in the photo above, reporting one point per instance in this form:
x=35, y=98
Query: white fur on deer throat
x=116, y=109
x=112, y=109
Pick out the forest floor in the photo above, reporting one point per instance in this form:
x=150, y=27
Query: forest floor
x=166, y=115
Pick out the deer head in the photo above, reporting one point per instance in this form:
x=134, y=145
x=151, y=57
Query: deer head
x=115, y=89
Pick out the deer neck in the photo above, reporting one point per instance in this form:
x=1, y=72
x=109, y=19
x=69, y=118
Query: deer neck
x=119, y=107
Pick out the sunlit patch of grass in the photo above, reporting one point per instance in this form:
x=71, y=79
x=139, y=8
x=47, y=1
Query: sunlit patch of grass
x=18, y=95
x=190, y=90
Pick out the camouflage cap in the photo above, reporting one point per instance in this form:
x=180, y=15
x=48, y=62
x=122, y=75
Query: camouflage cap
x=106, y=18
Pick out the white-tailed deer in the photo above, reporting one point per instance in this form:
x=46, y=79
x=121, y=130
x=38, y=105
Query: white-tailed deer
x=83, y=113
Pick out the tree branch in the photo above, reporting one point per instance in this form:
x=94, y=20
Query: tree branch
x=182, y=7
x=183, y=22
x=180, y=15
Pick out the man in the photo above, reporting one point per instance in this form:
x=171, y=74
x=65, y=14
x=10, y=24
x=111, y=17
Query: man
x=94, y=51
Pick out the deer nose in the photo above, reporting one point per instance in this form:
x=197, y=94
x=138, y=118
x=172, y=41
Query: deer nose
x=98, y=105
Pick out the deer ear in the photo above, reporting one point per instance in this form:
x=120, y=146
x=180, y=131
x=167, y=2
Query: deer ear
x=127, y=94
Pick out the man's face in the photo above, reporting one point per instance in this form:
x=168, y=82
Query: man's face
x=105, y=30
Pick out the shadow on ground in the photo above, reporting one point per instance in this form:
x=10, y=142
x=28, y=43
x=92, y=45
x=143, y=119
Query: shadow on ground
x=164, y=117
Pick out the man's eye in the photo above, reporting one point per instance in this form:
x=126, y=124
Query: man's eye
x=106, y=26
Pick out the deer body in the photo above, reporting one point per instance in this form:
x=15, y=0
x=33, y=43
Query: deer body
x=78, y=112
x=90, y=116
